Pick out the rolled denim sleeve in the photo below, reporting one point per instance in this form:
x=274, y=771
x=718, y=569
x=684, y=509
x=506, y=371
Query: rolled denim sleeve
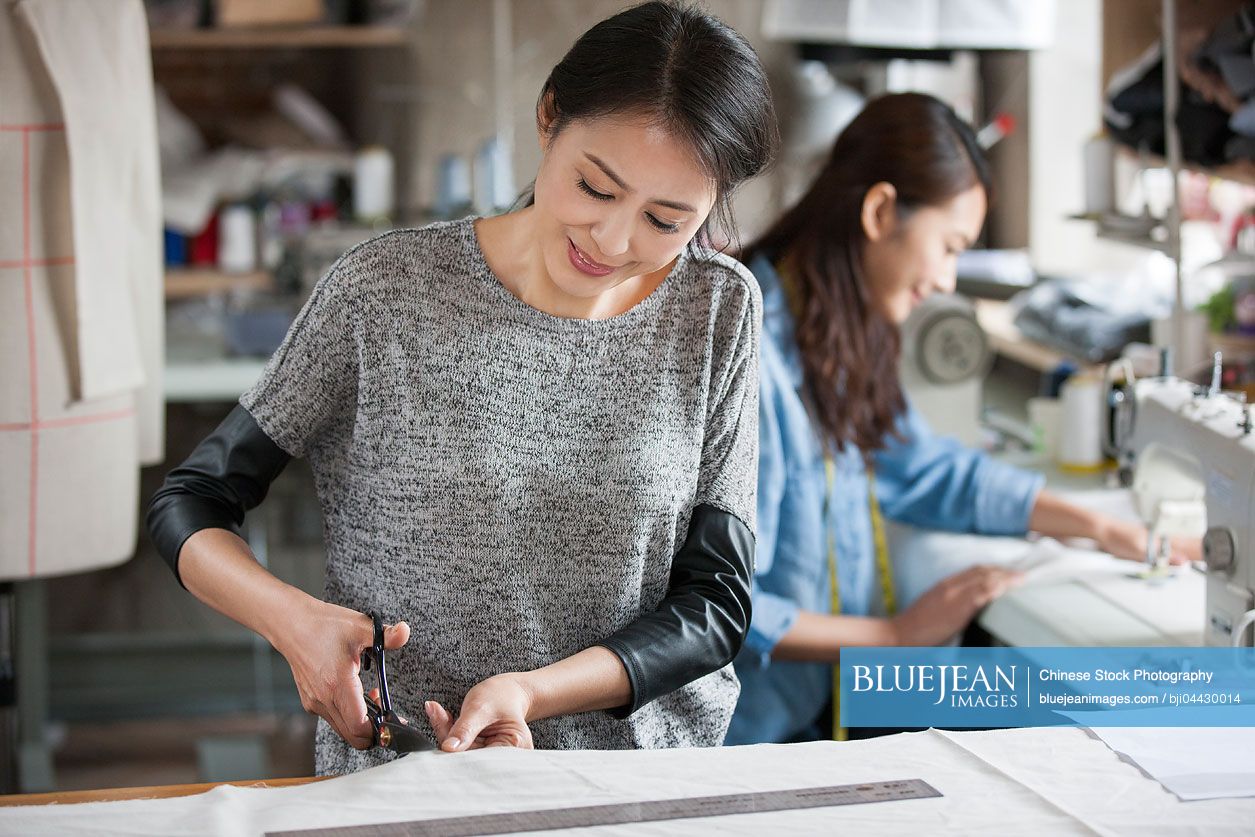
x=935, y=482
x=1005, y=497
x=773, y=617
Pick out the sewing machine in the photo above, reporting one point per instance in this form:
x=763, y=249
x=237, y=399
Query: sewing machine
x=1180, y=437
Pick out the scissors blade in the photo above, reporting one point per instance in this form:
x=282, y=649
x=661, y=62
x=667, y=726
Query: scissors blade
x=402, y=738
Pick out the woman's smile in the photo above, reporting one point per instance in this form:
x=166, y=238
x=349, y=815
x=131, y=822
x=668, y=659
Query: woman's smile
x=585, y=264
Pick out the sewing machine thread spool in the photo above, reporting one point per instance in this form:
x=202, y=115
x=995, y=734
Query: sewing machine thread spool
x=1081, y=431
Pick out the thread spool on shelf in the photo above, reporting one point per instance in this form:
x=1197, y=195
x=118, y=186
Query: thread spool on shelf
x=237, y=239
x=453, y=186
x=373, y=190
x=1100, y=178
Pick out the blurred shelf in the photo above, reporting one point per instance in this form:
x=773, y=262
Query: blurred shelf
x=199, y=370
x=1242, y=171
x=1146, y=240
x=293, y=37
x=1007, y=340
x=194, y=381
x=1235, y=346
x=1143, y=241
x=186, y=283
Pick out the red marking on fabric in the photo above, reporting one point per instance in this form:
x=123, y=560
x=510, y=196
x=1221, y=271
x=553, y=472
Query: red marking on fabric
x=72, y=421
x=33, y=364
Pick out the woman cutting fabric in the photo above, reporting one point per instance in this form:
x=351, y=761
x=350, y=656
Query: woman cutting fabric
x=533, y=436
x=903, y=193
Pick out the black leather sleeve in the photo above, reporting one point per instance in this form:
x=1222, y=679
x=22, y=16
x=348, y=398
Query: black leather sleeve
x=700, y=625
x=228, y=474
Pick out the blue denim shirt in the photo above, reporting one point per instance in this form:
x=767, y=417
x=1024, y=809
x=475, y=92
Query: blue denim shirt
x=925, y=480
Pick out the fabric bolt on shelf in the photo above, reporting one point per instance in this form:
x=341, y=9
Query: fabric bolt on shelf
x=1238, y=72
x=1033, y=781
x=1133, y=113
x=1227, y=50
x=1083, y=318
x=1243, y=120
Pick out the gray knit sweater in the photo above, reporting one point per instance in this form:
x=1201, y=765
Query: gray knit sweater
x=513, y=484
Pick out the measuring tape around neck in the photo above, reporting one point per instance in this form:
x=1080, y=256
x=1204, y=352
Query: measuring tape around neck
x=881, y=545
x=883, y=570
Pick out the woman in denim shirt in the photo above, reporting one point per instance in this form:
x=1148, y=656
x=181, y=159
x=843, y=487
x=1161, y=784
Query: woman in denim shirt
x=903, y=193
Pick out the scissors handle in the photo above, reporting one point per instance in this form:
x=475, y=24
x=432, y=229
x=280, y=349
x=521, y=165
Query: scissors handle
x=391, y=732
x=376, y=653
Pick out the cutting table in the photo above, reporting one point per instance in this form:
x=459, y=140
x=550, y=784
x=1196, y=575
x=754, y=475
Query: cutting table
x=1031, y=781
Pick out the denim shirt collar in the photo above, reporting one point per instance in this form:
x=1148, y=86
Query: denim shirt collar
x=777, y=319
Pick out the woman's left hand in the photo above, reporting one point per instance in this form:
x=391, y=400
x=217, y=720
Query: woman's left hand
x=1127, y=540
x=494, y=714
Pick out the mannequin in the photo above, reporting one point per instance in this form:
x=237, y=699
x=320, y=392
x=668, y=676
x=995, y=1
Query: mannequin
x=81, y=313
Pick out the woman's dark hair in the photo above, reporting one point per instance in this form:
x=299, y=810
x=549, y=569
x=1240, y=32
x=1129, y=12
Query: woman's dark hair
x=849, y=347
x=687, y=72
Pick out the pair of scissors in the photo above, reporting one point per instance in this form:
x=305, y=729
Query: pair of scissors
x=391, y=732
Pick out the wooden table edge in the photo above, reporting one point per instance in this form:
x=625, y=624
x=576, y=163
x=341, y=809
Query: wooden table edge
x=153, y=792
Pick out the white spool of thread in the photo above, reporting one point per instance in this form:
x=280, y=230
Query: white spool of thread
x=373, y=184
x=1080, y=428
x=1100, y=176
x=237, y=239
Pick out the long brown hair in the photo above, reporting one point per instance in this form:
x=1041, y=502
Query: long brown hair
x=849, y=347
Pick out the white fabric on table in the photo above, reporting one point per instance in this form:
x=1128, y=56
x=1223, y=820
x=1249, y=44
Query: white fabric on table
x=1083, y=597
x=1031, y=781
x=1193, y=763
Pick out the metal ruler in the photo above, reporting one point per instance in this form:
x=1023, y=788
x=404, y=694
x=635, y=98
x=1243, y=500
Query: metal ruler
x=624, y=813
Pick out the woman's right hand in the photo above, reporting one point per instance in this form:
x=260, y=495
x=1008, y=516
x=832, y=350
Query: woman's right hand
x=946, y=609
x=323, y=644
